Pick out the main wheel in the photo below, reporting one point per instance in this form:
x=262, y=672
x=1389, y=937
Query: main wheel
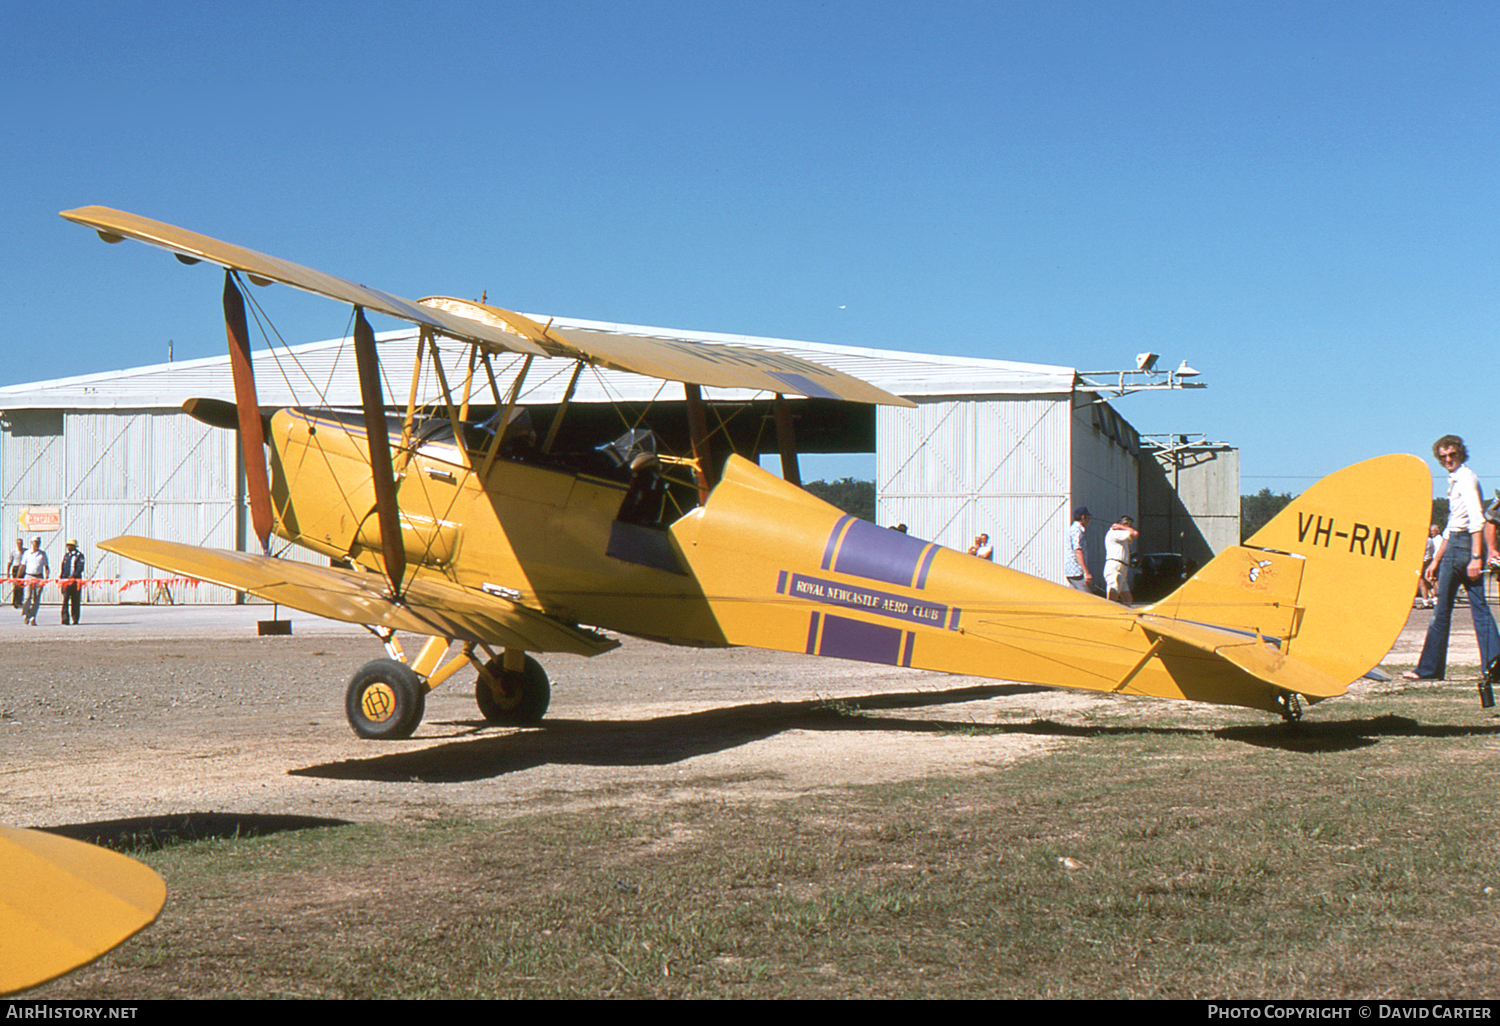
x=385, y=700
x=526, y=694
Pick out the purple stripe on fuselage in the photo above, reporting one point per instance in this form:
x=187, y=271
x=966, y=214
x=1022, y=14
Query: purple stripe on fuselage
x=911, y=640
x=812, y=634
x=926, y=566
x=833, y=540
x=855, y=639
x=781, y=583
x=880, y=554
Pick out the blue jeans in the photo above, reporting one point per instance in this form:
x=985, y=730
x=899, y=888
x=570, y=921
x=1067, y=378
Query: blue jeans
x=1450, y=577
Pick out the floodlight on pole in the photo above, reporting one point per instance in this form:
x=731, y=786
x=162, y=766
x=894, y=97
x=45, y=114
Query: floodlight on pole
x=1113, y=384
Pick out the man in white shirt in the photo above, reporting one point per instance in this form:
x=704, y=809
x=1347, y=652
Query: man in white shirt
x=1117, y=545
x=37, y=568
x=1458, y=561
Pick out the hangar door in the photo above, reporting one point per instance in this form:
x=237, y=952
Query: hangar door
x=153, y=472
x=954, y=467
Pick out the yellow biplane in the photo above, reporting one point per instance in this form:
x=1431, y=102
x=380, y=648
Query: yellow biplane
x=487, y=534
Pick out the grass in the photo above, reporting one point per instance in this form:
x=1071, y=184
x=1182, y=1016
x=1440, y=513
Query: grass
x=1354, y=855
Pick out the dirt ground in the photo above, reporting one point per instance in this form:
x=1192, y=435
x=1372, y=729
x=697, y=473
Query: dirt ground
x=160, y=713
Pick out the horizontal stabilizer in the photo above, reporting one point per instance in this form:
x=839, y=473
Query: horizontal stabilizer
x=431, y=605
x=1255, y=656
x=1241, y=589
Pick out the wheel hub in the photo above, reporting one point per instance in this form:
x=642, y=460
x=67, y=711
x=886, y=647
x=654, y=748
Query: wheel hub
x=378, y=702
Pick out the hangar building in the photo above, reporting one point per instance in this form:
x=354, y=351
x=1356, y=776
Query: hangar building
x=992, y=446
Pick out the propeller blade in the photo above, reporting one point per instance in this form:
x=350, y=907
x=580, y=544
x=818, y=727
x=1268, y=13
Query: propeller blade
x=379, y=438
x=252, y=435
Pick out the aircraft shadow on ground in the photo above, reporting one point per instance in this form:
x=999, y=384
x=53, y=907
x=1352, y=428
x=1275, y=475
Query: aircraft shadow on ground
x=653, y=742
x=149, y=833
x=478, y=755
x=1342, y=735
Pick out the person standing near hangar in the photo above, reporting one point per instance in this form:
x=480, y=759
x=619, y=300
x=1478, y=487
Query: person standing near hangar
x=1458, y=562
x=37, y=568
x=1076, y=567
x=15, y=570
x=1117, y=545
x=70, y=580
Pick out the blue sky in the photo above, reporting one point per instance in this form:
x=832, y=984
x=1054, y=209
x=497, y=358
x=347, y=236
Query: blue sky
x=1300, y=199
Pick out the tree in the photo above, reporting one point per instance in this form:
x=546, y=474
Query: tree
x=851, y=496
x=1256, y=511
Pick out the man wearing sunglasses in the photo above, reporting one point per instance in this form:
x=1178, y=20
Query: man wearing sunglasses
x=1458, y=561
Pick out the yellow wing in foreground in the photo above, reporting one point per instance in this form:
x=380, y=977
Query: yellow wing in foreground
x=430, y=606
x=64, y=903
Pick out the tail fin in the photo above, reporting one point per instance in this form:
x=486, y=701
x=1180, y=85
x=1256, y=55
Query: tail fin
x=1332, y=575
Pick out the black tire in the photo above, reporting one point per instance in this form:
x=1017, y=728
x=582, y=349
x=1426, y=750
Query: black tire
x=385, y=700
x=527, y=694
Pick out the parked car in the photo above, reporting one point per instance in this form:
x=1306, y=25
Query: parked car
x=1158, y=574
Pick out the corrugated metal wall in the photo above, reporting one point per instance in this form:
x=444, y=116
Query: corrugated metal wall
x=955, y=467
x=1106, y=473
x=1012, y=468
x=1191, y=498
x=156, y=473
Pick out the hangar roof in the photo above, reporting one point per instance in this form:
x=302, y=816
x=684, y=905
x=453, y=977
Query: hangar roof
x=323, y=373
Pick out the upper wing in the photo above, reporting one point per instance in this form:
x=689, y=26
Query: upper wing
x=430, y=606
x=720, y=366
x=117, y=225
x=504, y=330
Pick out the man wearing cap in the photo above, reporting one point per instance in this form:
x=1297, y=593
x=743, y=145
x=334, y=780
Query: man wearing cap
x=70, y=579
x=37, y=568
x=1076, y=567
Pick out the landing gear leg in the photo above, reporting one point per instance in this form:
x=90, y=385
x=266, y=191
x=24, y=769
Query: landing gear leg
x=1290, y=706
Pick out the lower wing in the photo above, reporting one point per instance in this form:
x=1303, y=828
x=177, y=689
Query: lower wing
x=429, y=606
